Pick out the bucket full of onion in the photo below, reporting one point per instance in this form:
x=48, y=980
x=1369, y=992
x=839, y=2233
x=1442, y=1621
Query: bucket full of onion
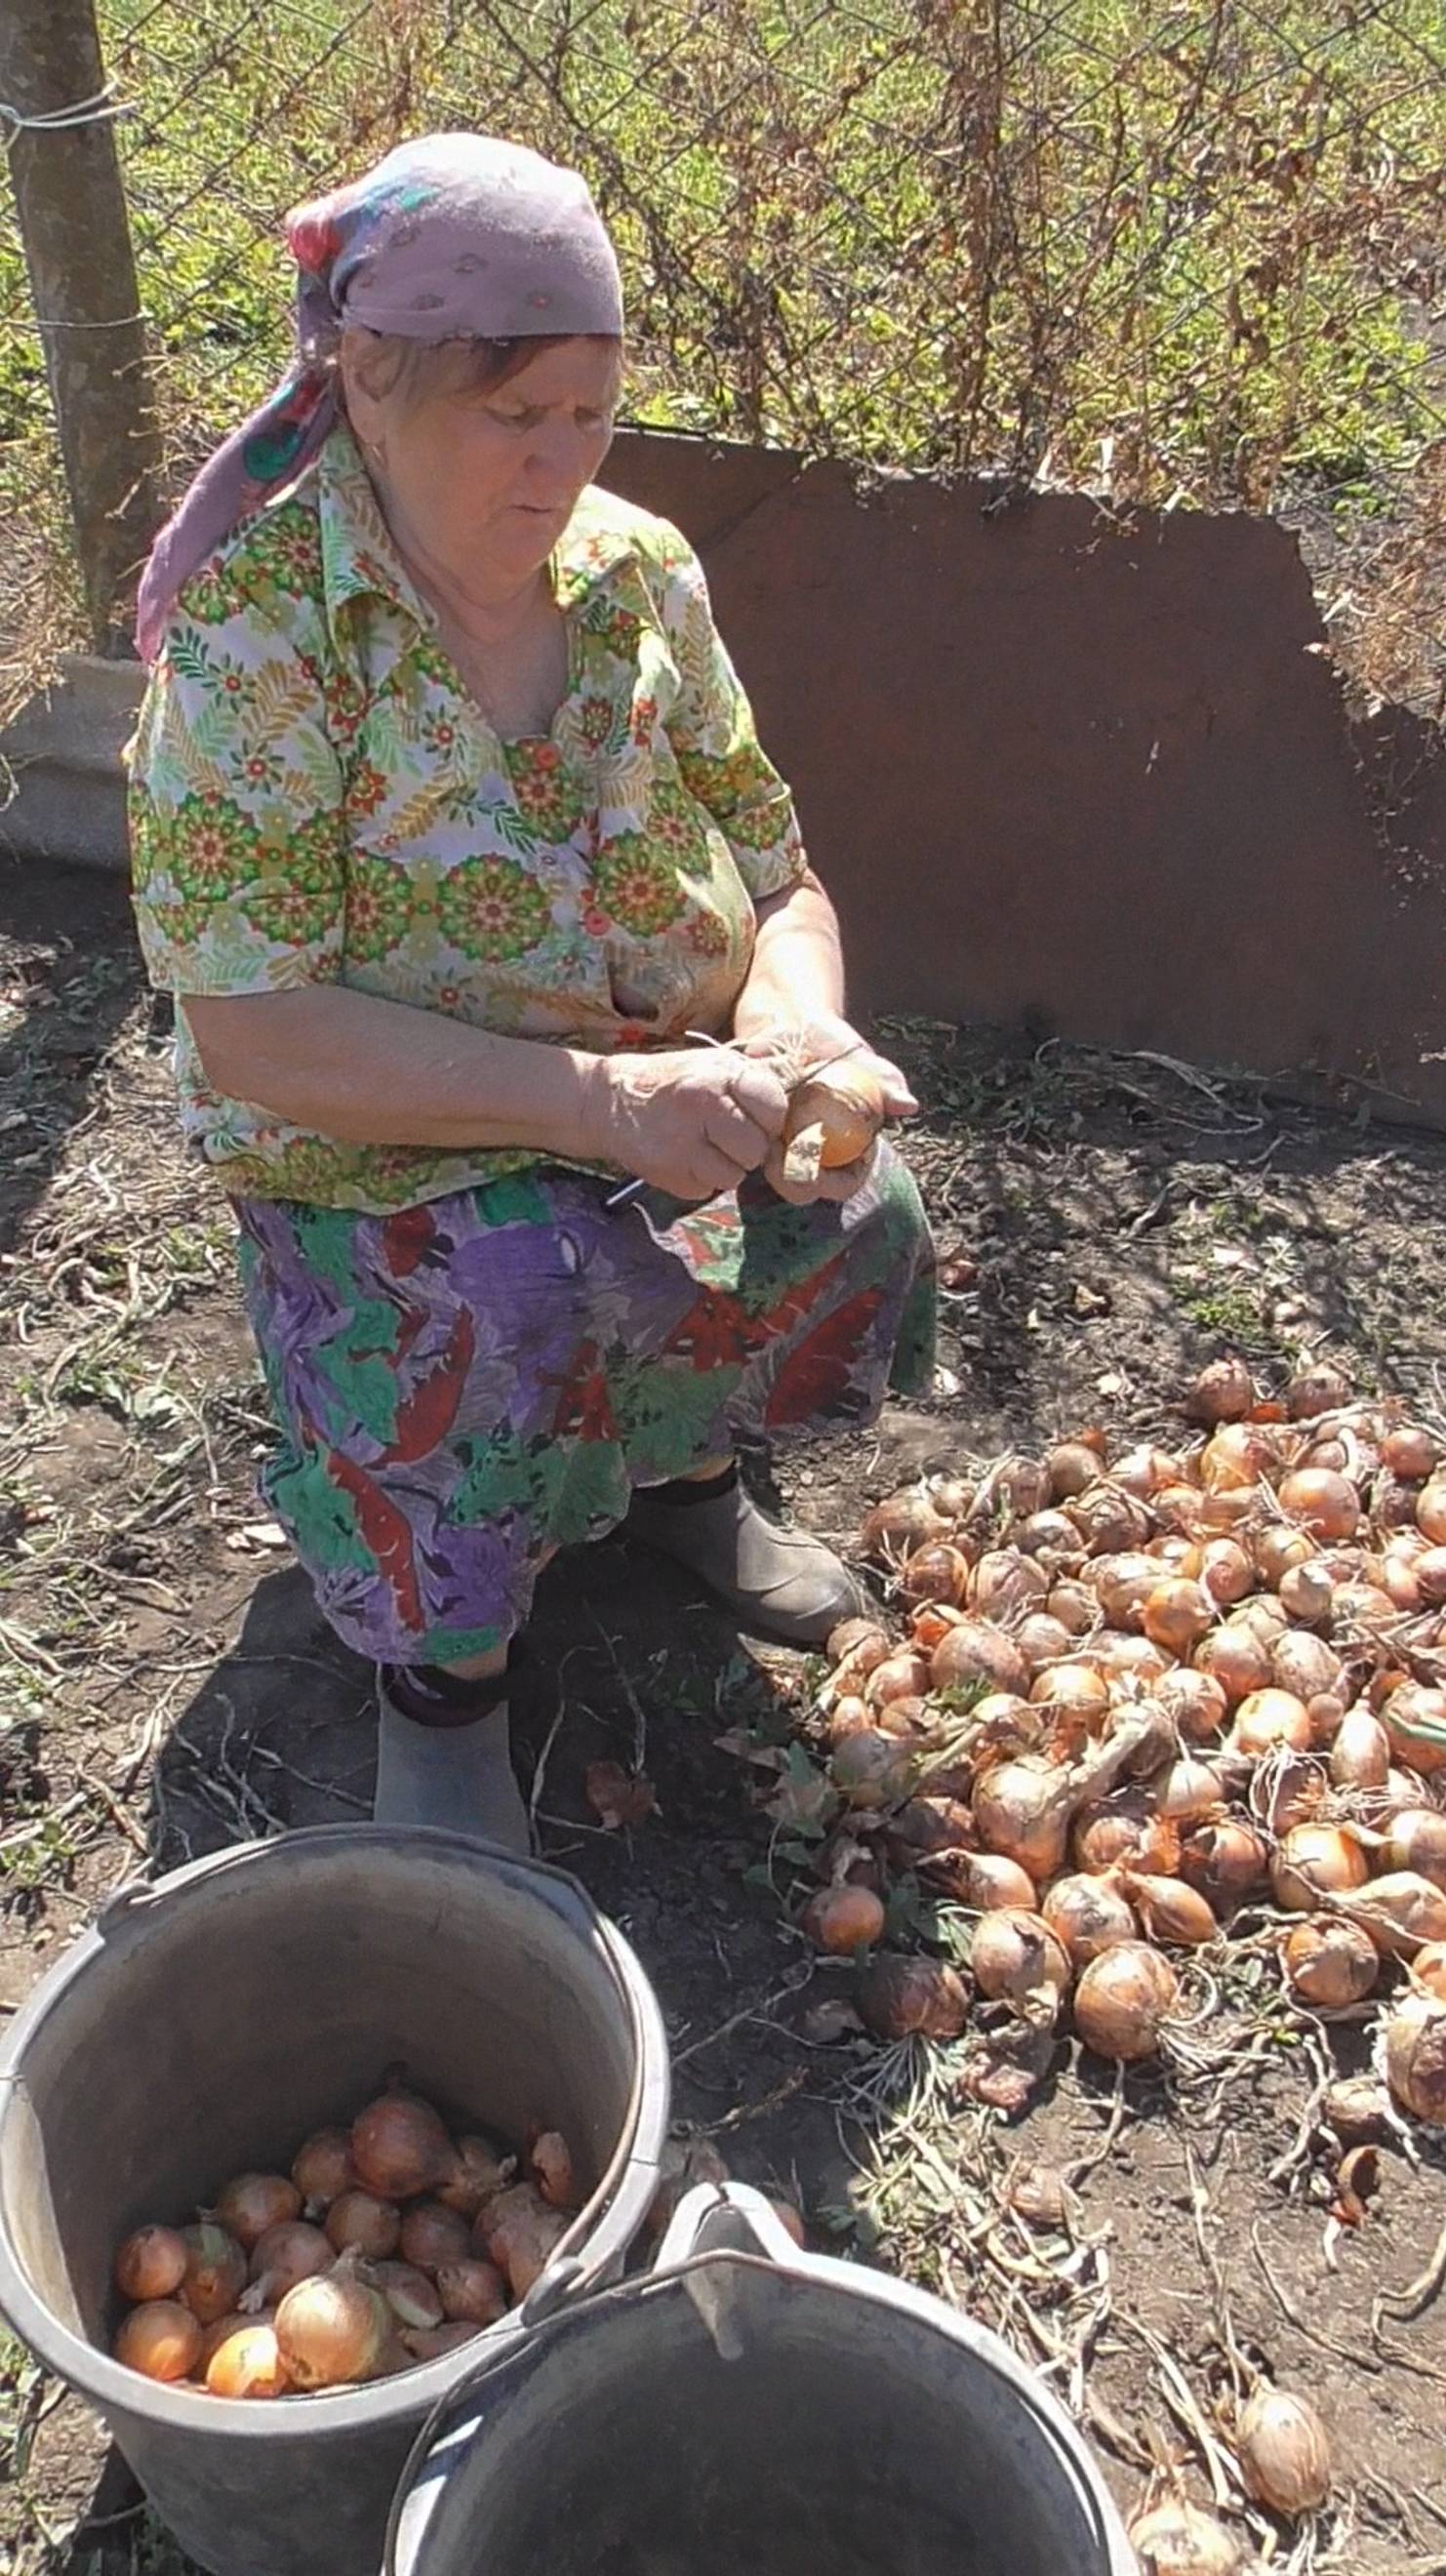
x=204, y=2027
x=746, y=2405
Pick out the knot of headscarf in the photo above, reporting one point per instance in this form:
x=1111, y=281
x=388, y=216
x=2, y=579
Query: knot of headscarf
x=458, y=236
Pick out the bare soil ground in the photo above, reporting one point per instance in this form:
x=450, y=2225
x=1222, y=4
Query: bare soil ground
x=1107, y=1224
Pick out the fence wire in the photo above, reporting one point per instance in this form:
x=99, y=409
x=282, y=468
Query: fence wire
x=1177, y=255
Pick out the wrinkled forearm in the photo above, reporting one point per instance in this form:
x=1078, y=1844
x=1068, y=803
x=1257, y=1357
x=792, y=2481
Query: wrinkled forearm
x=365, y=1071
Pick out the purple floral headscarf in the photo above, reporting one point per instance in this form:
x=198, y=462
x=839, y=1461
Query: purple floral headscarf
x=457, y=236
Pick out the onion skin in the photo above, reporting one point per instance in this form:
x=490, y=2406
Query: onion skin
x=247, y=2364
x=902, y=1998
x=151, y=2264
x=399, y=2146
x=1178, y=2540
x=255, y=2202
x=161, y=2339
x=1122, y=2000
x=1283, y=2451
x=358, y=2221
x=1330, y=1964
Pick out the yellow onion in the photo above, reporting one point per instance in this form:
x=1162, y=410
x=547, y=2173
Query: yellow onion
x=1317, y=1389
x=1074, y=1607
x=1268, y=1719
x=871, y=1770
x=1305, y=1665
x=1078, y=1686
x=1228, y=1508
x=1362, y=1605
x=1123, y=1585
x=472, y=2292
x=1005, y=1582
x=1144, y=1470
x=1226, y=1861
x=1070, y=1466
x=1307, y=1591
x=1325, y=1504
x=1042, y=1640
x=1187, y=1790
x=843, y=1919
x=399, y=2146
x=1278, y=1550
x=1175, y=1554
x=247, y=2364
x=253, y=2203
x=1417, y=1841
x=1128, y=1658
x=1325, y=1712
x=1315, y=1861
x=408, y=2293
x=1023, y=1810
x=1178, y=2540
x=1410, y=1452
x=1429, y=1569
x=1236, y=1659
x=1169, y=1908
x=935, y=1572
x=951, y=1495
x=1284, y=2455
x=215, y=2273
x=1109, y=1520
x=1022, y=1484
x=902, y=1675
x=1178, y=1508
x=1016, y=1959
x=833, y=1117
x=1223, y=1392
x=324, y=2170
x=433, y=2234
x=977, y=1651
x=1226, y=1572
x=1330, y=1964
x=1357, y=2110
x=906, y=1998
x=862, y=1639
x=1400, y=1911
x=151, y=2264
x=1237, y=1458
x=1195, y=1703
x=1049, y=1535
x=1431, y=1510
x=550, y=2160
x=1360, y=1756
x=901, y=1523
x=161, y=2339
x=1177, y=1613
x=1398, y=1579
x=286, y=2254
x=1127, y=1826
x=847, y=1717
x=333, y=2331
x=1427, y=1971
x=1416, y=2057
x=1088, y=1914
x=1123, y=2000
x=983, y=1879
x=1262, y=1617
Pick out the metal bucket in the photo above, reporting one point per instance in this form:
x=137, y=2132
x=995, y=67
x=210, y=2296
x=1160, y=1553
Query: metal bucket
x=748, y=2407
x=204, y=2026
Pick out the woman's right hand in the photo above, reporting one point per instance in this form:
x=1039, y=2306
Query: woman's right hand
x=689, y=1124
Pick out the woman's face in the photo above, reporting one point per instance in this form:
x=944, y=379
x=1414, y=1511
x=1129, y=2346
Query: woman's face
x=480, y=486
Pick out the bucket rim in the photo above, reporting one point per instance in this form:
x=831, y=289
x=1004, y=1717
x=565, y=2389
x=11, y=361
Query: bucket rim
x=685, y=2255
x=582, y=2257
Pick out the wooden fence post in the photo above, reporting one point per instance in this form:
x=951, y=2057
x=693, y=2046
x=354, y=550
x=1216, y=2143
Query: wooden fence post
x=76, y=233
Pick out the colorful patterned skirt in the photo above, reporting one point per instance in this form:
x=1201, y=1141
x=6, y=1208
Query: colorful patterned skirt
x=465, y=1386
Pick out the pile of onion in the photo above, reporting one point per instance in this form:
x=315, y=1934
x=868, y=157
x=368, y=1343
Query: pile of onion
x=389, y=2242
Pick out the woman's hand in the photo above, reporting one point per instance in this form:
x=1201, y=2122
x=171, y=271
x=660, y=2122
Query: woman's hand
x=825, y=1039
x=690, y=1124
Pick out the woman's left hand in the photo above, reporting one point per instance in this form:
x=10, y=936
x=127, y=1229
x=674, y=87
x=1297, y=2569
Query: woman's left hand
x=826, y=1038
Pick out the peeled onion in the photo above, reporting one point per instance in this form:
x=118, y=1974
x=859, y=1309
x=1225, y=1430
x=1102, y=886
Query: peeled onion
x=161, y=2338
x=1317, y=1860
x=906, y=1998
x=433, y=2234
x=1088, y=1914
x=323, y=2169
x=1017, y=1959
x=247, y=2364
x=1223, y=1392
x=255, y=2202
x=333, y=2330
x=399, y=2146
x=1122, y=2001
x=472, y=2291
x=1178, y=2540
x=1330, y=1964
x=151, y=2264
x=359, y=2220
x=842, y=1919
x=215, y=2273
x=1283, y=2452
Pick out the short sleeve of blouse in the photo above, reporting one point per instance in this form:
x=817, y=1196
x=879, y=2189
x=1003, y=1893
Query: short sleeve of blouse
x=714, y=738
x=237, y=817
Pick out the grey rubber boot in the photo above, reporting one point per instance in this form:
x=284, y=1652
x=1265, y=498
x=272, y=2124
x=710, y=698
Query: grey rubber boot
x=457, y=1776
x=781, y=1582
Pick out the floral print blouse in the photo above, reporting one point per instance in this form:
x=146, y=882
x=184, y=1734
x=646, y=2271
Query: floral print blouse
x=316, y=798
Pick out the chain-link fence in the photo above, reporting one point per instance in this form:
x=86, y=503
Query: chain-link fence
x=1180, y=255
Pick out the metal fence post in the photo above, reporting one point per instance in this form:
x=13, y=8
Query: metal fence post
x=76, y=233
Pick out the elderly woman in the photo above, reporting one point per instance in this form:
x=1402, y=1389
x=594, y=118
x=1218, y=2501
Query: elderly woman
x=453, y=839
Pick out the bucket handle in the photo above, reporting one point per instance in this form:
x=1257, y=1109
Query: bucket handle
x=139, y=1896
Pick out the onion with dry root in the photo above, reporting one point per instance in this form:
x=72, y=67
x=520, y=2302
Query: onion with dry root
x=1177, y=2539
x=1283, y=2451
x=833, y=1117
x=1123, y=2000
x=908, y=1998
